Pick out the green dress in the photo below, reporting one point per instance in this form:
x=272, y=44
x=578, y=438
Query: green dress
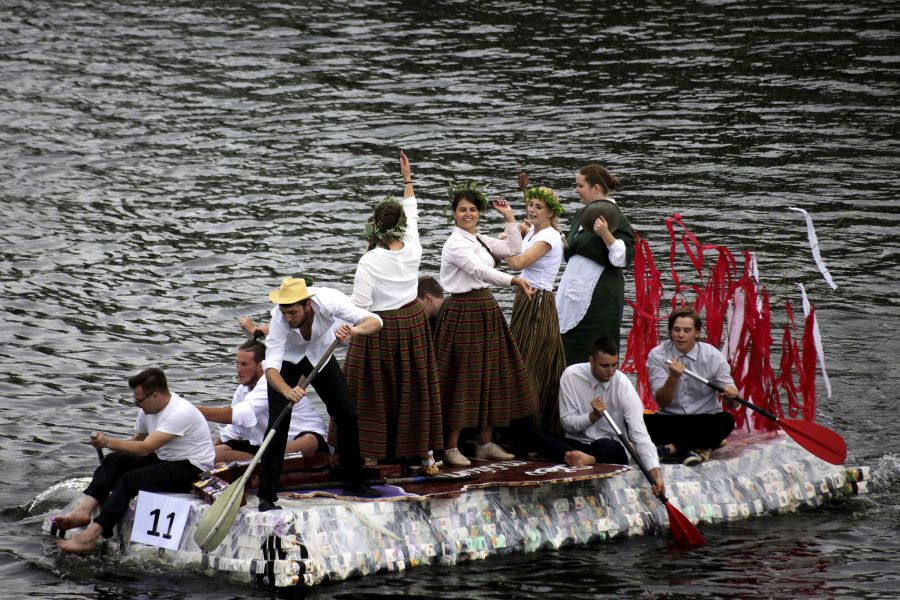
x=604, y=314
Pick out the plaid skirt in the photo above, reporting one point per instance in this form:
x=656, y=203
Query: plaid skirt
x=482, y=377
x=392, y=377
x=535, y=327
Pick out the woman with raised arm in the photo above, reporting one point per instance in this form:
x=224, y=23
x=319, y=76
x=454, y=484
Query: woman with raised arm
x=535, y=323
x=484, y=383
x=600, y=246
x=392, y=375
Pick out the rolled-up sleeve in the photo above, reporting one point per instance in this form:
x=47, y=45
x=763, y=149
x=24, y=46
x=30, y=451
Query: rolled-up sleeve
x=275, y=341
x=617, y=254
x=571, y=415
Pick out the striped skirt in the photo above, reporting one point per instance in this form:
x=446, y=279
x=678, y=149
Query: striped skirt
x=392, y=377
x=535, y=327
x=482, y=377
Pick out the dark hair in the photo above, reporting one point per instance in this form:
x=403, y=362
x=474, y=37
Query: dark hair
x=307, y=278
x=595, y=174
x=686, y=312
x=256, y=347
x=385, y=216
x=151, y=380
x=606, y=346
x=472, y=197
x=429, y=285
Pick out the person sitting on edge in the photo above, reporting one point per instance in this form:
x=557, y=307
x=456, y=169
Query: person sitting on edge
x=588, y=389
x=690, y=420
x=303, y=325
x=168, y=451
x=431, y=297
x=246, y=419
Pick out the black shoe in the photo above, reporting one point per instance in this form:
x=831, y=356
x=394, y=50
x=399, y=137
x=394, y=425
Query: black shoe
x=362, y=490
x=267, y=505
x=665, y=456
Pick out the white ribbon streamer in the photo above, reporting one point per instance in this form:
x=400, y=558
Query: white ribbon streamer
x=817, y=339
x=814, y=246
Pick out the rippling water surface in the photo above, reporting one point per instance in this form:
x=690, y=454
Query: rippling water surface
x=163, y=164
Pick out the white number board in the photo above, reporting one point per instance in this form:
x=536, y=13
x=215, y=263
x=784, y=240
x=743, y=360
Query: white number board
x=159, y=520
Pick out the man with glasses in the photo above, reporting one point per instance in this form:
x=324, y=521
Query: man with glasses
x=588, y=389
x=170, y=447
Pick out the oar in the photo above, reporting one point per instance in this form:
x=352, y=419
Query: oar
x=684, y=532
x=217, y=520
x=819, y=440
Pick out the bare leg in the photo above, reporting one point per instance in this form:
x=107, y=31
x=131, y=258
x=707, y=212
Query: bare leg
x=82, y=543
x=485, y=435
x=224, y=453
x=577, y=458
x=453, y=438
x=307, y=444
x=79, y=516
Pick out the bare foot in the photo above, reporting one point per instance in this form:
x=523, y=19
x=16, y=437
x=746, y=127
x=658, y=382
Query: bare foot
x=84, y=542
x=577, y=458
x=77, y=518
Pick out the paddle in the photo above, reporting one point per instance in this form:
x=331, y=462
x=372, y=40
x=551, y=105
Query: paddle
x=818, y=440
x=683, y=530
x=219, y=517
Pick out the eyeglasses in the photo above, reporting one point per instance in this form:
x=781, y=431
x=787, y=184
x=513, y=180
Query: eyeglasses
x=140, y=401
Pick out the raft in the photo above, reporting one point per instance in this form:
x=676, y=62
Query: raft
x=490, y=508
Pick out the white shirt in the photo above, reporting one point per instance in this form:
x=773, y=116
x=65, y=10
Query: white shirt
x=331, y=308
x=466, y=265
x=578, y=387
x=181, y=419
x=541, y=273
x=388, y=279
x=691, y=397
x=250, y=416
x=578, y=282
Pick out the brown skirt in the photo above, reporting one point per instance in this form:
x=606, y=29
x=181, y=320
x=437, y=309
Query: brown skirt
x=482, y=377
x=535, y=327
x=392, y=377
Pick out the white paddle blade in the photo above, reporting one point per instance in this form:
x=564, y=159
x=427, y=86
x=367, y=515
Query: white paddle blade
x=218, y=518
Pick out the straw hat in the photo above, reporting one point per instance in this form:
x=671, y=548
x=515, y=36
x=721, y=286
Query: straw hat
x=292, y=290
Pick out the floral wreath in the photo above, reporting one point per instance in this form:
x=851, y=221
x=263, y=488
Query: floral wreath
x=470, y=186
x=382, y=237
x=545, y=195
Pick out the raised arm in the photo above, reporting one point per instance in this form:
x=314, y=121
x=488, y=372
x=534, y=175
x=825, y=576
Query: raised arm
x=406, y=172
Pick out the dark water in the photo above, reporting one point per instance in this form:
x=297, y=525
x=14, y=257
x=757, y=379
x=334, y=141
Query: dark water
x=163, y=164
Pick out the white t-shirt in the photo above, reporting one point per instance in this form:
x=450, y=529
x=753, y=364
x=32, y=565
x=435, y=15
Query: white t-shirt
x=250, y=416
x=541, y=273
x=181, y=419
x=388, y=279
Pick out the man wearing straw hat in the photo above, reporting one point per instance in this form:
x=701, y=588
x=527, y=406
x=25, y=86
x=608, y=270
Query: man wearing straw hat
x=304, y=323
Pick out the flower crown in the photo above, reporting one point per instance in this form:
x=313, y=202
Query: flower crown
x=382, y=237
x=470, y=186
x=545, y=195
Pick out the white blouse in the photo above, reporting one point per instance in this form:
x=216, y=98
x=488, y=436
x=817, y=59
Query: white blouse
x=466, y=265
x=541, y=273
x=388, y=279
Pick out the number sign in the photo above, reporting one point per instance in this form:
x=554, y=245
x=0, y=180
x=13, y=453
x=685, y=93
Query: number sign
x=159, y=520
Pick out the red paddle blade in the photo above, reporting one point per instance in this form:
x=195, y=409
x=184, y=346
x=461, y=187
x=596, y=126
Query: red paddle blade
x=819, y=440
x=683, y=530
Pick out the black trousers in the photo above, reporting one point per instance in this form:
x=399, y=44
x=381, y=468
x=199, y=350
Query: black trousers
x=120, y=477
x=605, y=450
x=534, y=439
x=332, y=389
x=689, y=432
